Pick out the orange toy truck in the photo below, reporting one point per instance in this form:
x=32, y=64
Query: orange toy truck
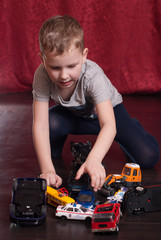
x=130, y=176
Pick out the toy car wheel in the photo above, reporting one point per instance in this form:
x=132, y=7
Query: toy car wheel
x=63, y=218
x=121, y=214
x=138, y=212
x=117, y=228
x=140, y=190
x=15, y=184
x=88, y=219
x=12, y=210
x=43, y=210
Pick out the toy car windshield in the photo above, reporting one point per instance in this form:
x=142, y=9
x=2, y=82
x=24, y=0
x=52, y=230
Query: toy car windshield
x=127, y=171
x=104, y=217
x=105, y=209
x=84, y=209
x=85, y=198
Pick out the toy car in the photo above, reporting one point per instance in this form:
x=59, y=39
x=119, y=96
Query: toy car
x=130, y=176
x=142, y=199
x=86, y=198
x=106, y=217
x=118, y=196
x=74, y=185
x=74, y=211
x=28, y=204
x=58, y=197
x=80, y=152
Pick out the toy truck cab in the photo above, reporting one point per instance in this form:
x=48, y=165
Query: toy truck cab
x=132, y=174
x=106, y=217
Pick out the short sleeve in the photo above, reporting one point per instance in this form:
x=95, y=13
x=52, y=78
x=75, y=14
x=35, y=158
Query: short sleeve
x=41, y=85
x=99, y=88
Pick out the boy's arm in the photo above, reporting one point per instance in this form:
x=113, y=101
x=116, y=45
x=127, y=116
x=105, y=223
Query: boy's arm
x=42, y=144
x=103, y=142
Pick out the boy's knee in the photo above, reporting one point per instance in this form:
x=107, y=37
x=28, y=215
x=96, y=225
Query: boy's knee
x=150, y=159
x=54, y=123
x=54, y=119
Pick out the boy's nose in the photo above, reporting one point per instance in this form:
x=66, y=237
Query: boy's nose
x=63, y=74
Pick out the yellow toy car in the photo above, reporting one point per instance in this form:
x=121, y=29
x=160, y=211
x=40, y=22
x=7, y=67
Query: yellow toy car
x=58, y=197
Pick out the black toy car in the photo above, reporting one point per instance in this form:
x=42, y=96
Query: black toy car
x=28, y=203
x=142, y=199
x=80, y=152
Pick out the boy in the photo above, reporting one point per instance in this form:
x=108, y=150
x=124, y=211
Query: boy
x=87, y=103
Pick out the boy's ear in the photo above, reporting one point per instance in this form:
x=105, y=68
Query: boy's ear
x=41, y=57
x=85, y=54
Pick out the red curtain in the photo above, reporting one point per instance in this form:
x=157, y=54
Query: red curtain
x=123, y=37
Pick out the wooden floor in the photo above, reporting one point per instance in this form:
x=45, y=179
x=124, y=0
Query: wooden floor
x=18, y=159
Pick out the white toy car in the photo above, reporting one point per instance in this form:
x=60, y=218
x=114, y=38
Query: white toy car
x=118, y=196
x=74, y=211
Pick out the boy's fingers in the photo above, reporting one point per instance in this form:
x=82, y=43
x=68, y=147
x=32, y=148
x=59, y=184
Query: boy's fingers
x=94, y=182
x=47, y=179
x=97, y=182
x=52, y=182
x=79, y=173
x=58, y=182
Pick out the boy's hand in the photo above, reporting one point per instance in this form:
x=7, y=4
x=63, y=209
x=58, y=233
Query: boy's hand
x=95, y=170
x=52, y=179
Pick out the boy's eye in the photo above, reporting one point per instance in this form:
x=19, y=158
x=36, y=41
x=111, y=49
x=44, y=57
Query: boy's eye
x=72, y=66
x=55, y=68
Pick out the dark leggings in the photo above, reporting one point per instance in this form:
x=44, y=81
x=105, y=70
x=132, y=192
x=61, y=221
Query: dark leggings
x=139, y=146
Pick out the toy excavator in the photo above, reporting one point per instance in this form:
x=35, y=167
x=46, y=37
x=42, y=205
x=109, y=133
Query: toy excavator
x=130, y=176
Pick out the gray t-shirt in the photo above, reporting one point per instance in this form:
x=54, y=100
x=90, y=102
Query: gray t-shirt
x=93, y=87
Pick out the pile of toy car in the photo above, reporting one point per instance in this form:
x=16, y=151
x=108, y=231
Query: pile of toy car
x=103, y=217
x=127, y=189
x=106, y=216
x=123, y=192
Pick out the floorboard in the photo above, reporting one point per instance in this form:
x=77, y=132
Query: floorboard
x=18, y=159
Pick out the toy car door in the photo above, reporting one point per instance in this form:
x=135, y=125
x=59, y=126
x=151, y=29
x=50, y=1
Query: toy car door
x=70, y=213
x=78, y=213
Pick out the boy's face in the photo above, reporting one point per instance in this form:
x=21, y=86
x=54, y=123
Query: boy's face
x=64, y=70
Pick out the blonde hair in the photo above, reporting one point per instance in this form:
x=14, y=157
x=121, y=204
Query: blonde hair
x=58, y=33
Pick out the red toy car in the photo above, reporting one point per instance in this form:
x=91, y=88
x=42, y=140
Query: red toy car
x=106, y=217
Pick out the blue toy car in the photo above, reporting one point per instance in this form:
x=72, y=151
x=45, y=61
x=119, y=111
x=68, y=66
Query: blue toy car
x=86, y=198
x=28, y=204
